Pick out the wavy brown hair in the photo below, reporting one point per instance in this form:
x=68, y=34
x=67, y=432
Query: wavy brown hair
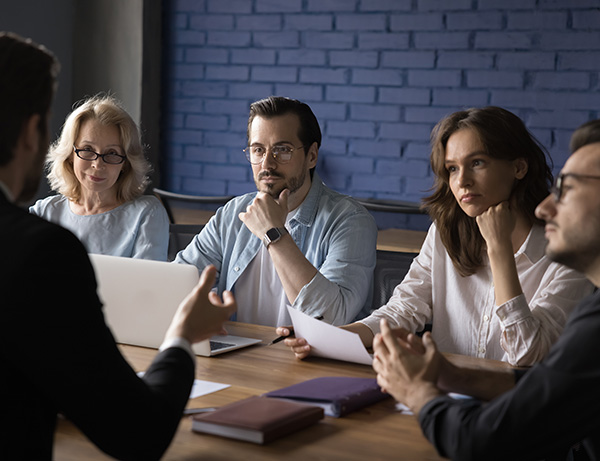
x=504, y=136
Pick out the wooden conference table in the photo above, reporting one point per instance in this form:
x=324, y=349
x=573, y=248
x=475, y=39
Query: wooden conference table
x=376, y=432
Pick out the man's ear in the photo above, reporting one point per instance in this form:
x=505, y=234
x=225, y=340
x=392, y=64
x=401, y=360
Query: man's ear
x=312, y=155
x=30, y=133
x=521, y=168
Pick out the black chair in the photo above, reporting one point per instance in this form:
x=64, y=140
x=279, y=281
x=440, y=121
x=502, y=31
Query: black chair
x=390, y=206
x=390, y=269
x=171, y=199
x=180, y=236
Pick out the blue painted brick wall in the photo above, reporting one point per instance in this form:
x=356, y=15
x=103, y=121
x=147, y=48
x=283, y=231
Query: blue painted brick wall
x=378, y=74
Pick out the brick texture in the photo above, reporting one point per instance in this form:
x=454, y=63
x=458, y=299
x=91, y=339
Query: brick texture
x=378, y=74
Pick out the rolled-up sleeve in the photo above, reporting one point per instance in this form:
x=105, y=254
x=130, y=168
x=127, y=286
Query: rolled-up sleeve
x=343, y=284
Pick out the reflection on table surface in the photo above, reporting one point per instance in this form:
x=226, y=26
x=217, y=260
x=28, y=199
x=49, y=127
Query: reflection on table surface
x=376, y=432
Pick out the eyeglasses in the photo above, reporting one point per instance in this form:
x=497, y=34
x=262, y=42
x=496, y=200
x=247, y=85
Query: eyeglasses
x=112, y=158
x=559, y=184
x=281, y=154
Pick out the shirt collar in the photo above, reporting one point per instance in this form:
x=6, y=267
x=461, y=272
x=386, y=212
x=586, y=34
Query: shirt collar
x=534, y=246
x=307, y=211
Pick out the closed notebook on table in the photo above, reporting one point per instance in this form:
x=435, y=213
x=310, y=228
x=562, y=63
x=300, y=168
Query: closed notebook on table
x=337, y=395
x=257, y=419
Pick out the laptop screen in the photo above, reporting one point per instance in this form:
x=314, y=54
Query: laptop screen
x=141, y=296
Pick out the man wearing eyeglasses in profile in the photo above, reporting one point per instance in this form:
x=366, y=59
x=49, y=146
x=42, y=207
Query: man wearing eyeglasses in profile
x=551, y=411
x=294, y=241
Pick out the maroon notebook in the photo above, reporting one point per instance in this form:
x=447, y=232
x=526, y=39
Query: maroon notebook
x=257, y=419
x=337, y=395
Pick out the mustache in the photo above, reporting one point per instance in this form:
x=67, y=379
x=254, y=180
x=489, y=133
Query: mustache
x=268, y=174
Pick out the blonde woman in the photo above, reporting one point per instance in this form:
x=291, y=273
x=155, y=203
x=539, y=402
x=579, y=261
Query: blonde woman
x=98, y=168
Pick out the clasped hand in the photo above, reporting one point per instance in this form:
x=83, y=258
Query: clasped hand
x=405, y=364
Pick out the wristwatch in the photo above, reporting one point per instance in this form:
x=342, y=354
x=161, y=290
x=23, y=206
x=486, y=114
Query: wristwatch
x=273, y=235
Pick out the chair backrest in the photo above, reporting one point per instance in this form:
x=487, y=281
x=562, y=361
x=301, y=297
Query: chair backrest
x=180, y=236
x=390, y=270
x=171, y=199
x=391, y=206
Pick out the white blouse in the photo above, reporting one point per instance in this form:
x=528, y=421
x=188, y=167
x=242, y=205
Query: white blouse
x=462, y=310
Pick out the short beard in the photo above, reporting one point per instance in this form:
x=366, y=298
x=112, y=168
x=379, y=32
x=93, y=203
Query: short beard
x=292, y=184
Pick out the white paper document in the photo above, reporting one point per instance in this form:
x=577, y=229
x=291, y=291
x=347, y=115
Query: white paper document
x=407, y=411
x=328, y=341
x=200, y=387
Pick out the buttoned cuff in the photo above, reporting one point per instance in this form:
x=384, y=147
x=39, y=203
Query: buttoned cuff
x=513, y=311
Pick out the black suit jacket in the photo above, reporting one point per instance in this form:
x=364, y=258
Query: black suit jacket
x=58, y=355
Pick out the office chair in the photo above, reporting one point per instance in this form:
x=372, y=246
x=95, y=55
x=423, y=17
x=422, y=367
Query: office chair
x=180, y=236
x=390, y=269
x=390, y=206
x=171, y=199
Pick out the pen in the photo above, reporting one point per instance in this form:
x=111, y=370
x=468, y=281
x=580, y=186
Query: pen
x=281, y=338
x=193, y=411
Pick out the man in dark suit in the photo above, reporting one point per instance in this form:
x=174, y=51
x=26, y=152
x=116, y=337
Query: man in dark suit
x=56, y=353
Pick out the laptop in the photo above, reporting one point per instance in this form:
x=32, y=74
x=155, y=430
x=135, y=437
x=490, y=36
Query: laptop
x=141, y=296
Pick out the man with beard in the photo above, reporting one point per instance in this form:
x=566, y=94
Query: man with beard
x=551, y=411
x=57, y=354
x=295, y=241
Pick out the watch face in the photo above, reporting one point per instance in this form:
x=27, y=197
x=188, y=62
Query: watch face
x=273, y=234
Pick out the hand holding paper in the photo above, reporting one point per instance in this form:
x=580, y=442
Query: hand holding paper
x=328, y=341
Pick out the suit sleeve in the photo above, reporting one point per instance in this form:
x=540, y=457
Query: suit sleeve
x=83, y=371
x=553, y=406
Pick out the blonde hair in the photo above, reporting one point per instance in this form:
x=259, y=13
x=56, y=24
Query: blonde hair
x=108, y=111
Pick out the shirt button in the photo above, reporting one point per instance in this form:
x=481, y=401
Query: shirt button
x=486, y=318
x=482, y=350
x=236, y=268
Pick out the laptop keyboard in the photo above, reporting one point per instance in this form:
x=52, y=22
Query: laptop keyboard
x=216, y=345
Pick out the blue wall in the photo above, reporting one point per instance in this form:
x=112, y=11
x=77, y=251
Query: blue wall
x=378, y=75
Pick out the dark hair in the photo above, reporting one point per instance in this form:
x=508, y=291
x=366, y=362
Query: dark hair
x=274, y=106
x=588, y=133
x=504, y=136
x=27, y=82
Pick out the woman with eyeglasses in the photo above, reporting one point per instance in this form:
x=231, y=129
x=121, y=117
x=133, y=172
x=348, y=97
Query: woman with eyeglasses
x=482, y=280
x=98, y=168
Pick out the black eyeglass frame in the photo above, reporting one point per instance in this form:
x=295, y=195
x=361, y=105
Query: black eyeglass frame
x=102, y=156
x=274, y=154
x=558, y=187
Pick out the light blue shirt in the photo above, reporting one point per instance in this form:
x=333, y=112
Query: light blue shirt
x=136, y=229
x=335, y=233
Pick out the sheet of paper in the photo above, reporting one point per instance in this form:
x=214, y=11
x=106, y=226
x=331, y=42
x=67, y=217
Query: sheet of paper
x=205, y=387
x=200, y=387
x=328, y=341
x=407, y=411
